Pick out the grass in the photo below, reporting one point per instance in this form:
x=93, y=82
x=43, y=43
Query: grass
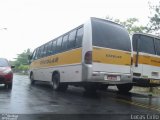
x=20, y=73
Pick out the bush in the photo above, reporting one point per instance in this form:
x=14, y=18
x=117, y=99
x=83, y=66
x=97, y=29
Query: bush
x=23, y=68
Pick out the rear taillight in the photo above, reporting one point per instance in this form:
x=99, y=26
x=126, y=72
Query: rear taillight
x=88, y=57
x=9, y=76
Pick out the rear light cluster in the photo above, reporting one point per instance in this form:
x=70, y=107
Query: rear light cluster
x=88, y=57
x=9, y=76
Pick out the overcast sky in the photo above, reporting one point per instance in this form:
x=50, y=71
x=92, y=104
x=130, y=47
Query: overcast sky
x=31, y=23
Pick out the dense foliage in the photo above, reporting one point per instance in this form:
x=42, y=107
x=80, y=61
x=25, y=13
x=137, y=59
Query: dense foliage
x=133, y=25
x=154, y=24
x=21, y=62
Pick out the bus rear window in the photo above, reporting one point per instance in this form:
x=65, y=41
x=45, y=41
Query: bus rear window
x=110, y=35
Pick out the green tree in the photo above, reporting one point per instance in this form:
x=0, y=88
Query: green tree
x=23, y=57
x=154, y=24
x=23, y=67
x=21, y=62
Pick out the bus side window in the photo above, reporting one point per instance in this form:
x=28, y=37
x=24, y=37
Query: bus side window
x=33, y=55
x=134, y=42
x=59, y=45
x=146, y=44
x=45, y=50
x=36, y=55
x=79, y=37
x=72, y=36
x=157, y=46
x=54, y=46
x=65, y=42
x=49, y=47
x=39, y=53
x=42, y=51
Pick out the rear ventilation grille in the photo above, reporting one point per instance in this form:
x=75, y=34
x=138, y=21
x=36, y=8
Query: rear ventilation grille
x=137, y=74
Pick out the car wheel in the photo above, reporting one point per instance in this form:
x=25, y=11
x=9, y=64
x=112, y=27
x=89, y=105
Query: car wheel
x=124, y=88
x=8, y=85
x=57, y=86
x=90, y=88
x=32, y=81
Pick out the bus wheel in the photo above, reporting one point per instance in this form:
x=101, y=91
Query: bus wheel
x=32, y=81
x=57, y=86
x=124, y=88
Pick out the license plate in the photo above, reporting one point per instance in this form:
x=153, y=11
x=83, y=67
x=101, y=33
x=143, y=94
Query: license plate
x=112, y=77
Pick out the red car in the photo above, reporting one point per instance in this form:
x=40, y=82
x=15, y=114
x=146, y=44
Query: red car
x=6, y=74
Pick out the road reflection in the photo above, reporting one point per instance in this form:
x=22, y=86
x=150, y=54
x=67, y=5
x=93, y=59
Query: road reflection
x=40, y=98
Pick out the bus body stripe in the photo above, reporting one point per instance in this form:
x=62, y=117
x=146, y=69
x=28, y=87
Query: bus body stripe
x=147, y=60
x=110, y=56
x=69, y=57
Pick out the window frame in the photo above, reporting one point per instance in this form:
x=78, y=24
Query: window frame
x=72, y=46
x=59, y=48
x=33, y=54
x=44, y=51
x=54, y=47
x=67, y=42
x=141, y=41
x=49, y=48
x=77, y=45
x=107, y=34
x=156, y=48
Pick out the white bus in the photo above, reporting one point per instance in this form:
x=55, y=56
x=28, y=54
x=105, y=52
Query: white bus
x=146, y=67
x=93, y=55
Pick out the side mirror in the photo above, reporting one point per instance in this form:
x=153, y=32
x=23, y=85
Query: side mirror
x=12, y=66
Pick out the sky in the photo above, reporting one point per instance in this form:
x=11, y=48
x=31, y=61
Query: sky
x=31, y=23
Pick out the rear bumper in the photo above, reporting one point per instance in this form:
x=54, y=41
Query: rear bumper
x=4, y=80
x=100, y=77
x=146, y=82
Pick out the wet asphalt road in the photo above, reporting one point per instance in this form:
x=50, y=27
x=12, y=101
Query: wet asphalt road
x=42, y=102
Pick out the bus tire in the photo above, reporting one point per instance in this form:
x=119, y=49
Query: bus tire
x=124, y=88
x=32, y=81
x=57, y=86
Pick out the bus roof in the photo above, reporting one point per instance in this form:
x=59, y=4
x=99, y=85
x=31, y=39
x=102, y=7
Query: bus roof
x=149, y=35
x=107, y=21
